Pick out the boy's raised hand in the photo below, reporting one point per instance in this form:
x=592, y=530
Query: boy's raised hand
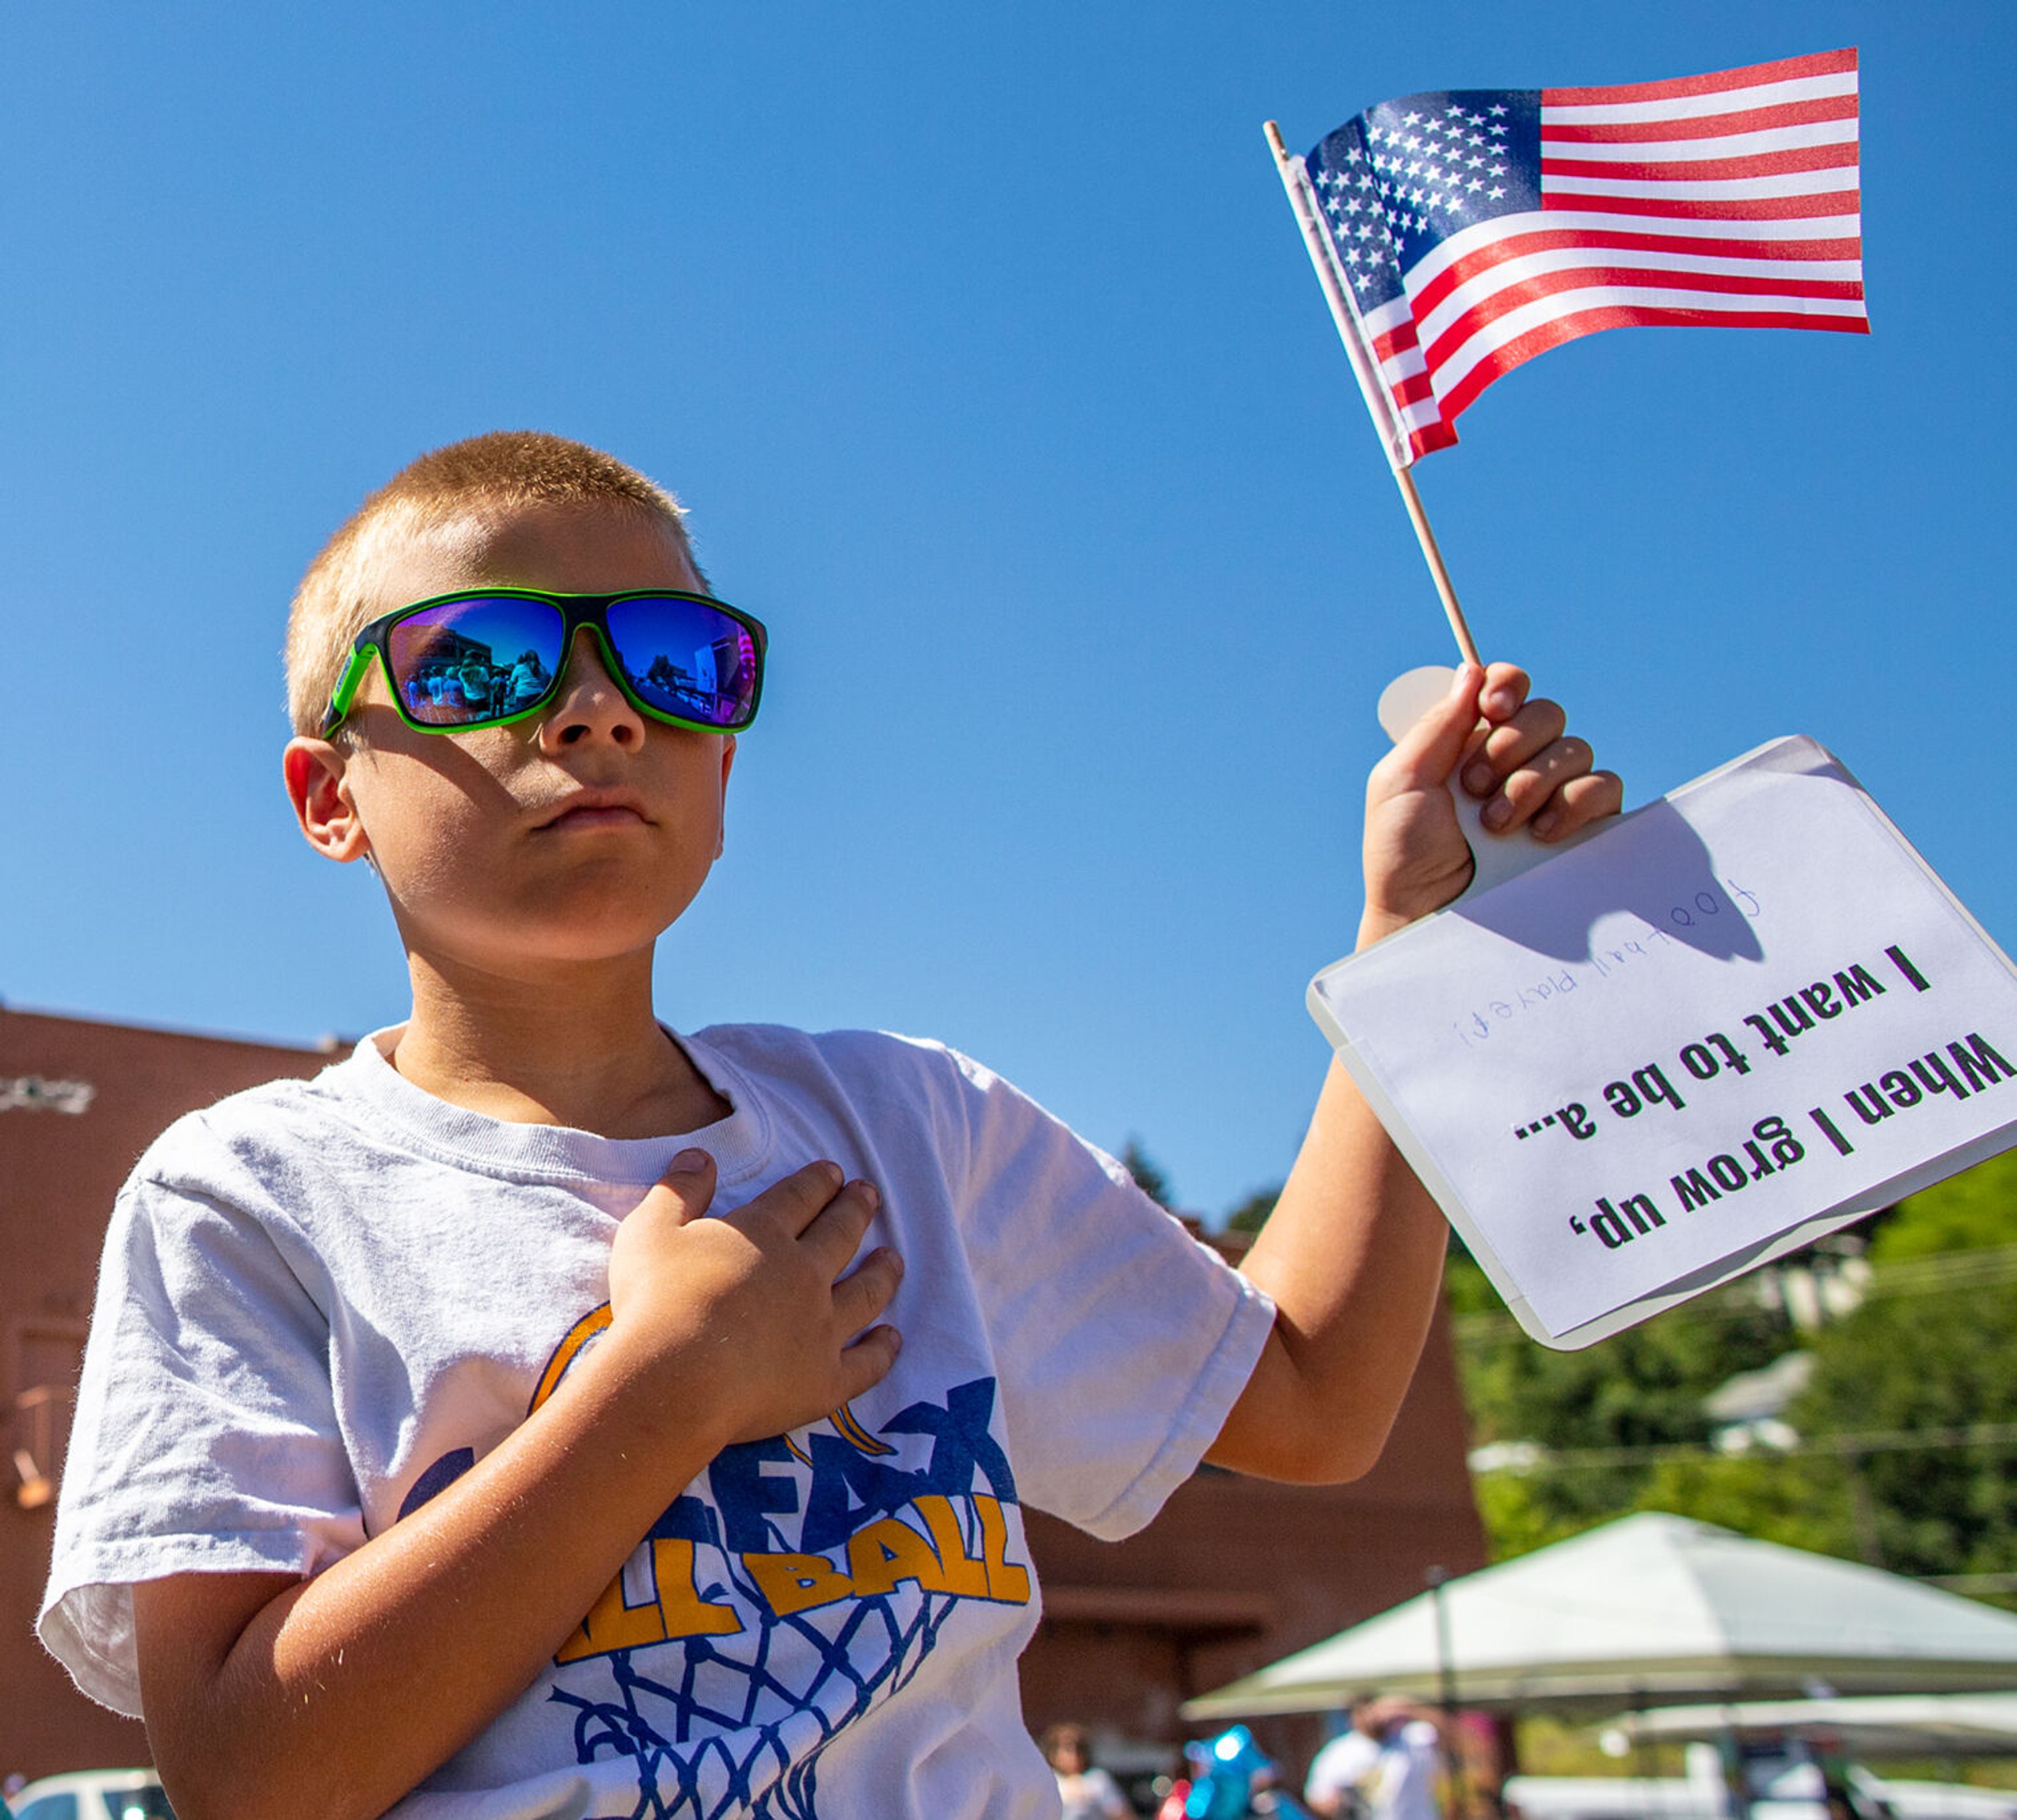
x=1487, y=738
x=754, y=1320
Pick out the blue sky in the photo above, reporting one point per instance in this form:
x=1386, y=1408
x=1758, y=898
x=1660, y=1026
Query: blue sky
x=981, y=343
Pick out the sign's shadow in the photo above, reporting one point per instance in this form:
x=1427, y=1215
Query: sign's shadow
x=1652, y=864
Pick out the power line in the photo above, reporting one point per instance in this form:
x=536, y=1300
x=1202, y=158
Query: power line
x=1850, y=1446
x=1940, y=1271
x=1937, y=1273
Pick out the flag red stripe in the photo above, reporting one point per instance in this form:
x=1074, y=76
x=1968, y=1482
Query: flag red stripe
x=1706, y=170
x=1707, y=126
x=1708, y=208
x=1488, y=309
x=1629, y=277
x=1787, y=70
x=1431, y=437
x=1521, y=246
x=1413, y=389
x=1396, y=341
x=1567, y=328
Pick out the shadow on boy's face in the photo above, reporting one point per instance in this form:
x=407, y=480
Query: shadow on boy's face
x=381, y=734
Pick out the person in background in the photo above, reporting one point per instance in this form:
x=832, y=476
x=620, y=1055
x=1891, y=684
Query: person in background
x=1385, y=1767
x=1088, y=1792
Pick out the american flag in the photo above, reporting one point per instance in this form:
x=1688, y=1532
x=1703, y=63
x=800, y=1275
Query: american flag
x=1476, y=228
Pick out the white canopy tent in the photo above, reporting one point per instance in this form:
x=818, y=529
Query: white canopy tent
x=1872, y=1725
x=1651, y=1610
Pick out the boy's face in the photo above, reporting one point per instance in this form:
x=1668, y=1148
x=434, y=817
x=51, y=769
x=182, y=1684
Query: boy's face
x=577, y=835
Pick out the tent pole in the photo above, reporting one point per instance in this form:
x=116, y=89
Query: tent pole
x=1438, y=1578
x=1732, y=1768
x=1643, y=1762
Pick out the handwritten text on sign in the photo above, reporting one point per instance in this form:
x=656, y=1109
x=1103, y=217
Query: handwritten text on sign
x=1743, y=1009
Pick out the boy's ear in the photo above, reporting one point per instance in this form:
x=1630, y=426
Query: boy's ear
x=318, y=787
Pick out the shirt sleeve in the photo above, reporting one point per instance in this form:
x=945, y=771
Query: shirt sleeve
x=205, y=1437
x=1123, y=1343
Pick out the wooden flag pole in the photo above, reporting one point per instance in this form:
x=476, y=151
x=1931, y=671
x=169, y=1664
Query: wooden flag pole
x=1379, y=402
x=1433, y=556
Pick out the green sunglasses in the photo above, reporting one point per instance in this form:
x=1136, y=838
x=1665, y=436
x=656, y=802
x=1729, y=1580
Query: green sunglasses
x=485, y=657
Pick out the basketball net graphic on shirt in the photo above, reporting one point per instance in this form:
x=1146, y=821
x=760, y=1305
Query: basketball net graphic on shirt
x=810, y=1582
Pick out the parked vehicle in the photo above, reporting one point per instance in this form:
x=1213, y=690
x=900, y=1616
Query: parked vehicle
x=95, y=1794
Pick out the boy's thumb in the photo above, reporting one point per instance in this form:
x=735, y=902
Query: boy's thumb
x=690, y=1176
x=1431, y=748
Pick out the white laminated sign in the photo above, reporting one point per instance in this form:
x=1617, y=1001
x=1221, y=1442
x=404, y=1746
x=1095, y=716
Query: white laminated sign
x=1722, y=1026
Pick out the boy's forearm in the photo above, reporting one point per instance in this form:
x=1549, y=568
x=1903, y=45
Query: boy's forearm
x=1352, y=1254
x=1352, y=1257
x=311, y=1707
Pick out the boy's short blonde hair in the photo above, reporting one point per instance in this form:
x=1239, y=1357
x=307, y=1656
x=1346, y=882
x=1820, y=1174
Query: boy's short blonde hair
x=338, y=596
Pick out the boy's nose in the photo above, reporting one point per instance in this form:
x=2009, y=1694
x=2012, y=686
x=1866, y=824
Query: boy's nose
x=589, y=705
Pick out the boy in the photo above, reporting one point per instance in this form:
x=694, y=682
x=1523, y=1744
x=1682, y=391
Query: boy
x=392, y=1371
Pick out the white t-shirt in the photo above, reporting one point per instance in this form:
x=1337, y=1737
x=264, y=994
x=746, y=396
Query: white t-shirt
x=1395, y=1780
x=323, y=1301
x=1092, y=1794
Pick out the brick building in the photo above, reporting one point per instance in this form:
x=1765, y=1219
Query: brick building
x=1233, y=1574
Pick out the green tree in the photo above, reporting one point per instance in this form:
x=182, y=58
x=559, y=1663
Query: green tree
x=1931, y=1350
x=1148, y=1174
x=1800, y=1501
x=1642, y=1389
x=1971, y=1212
x=1918, y=1364
x=1252, y=1213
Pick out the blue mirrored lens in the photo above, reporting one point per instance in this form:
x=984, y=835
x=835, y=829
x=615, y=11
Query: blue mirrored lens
x=687, y=659
x=483, y=658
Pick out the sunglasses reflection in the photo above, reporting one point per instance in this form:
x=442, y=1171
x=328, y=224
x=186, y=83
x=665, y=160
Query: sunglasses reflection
x=448, y=677
x=454, y=678
x=685, y=690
